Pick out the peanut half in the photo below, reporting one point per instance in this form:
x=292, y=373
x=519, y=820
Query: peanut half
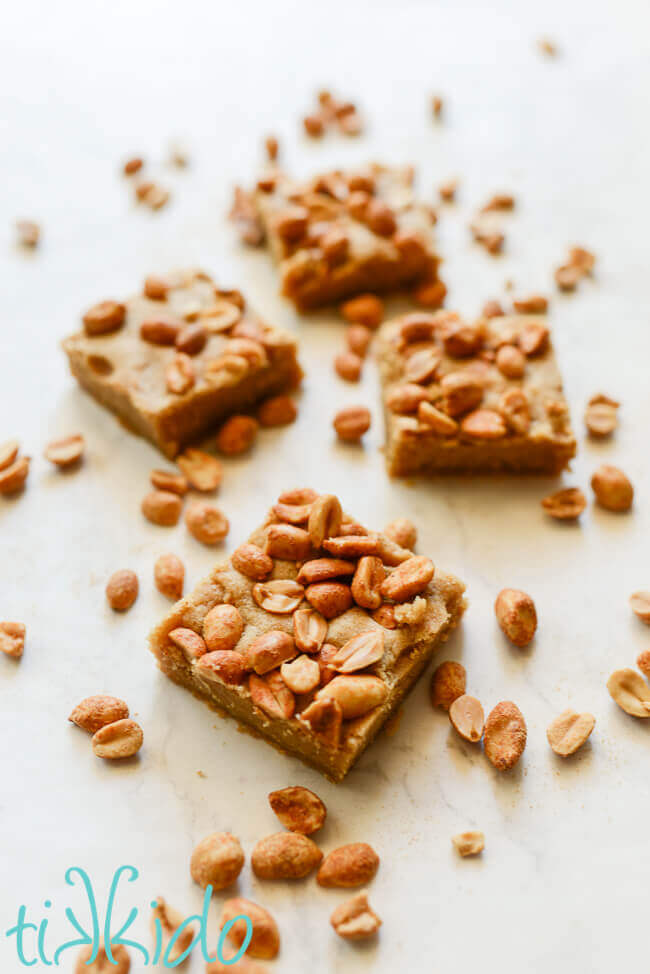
x=217, y=861
x=269, y=651
x=65, y=452
x=565, y=505
x=640, y=604
x=203, y=471
x=121, y=739
x=356, y=695
x=302, y=675
x=631, y=692
x=466, y=716
x=569, y=731
x=285, y=855
x=298, y=809
x=355, y=919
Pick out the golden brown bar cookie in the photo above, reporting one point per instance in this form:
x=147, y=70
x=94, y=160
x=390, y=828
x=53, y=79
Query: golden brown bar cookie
x=472, y=398
x=311, y=633
x=177, y=359
x=341, y=233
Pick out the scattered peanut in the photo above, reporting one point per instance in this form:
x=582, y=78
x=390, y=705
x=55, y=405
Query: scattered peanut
x=170, y=481
x=120, y=963
x=630, y=692
x=355, y=919
x=217, y=861
x=12, y=639
x=467, y=717
x=162, y=507
x=569, y=731
x=640, y=604
x=65, y=452
x=469, y=843
x=516, y=614
x=202, y=471
x=237, y=435
x=285, y=855
x=505, y=735
x=120, y=739
x=96, y=712
x=448, y=683
x=206, y=523
x=348, y=866
x=351, y=423
x=169, y=576
x=166, y=919
x=298, y=809
x=265, y=940
x=612, y=488
x=566, y=504
x=122, y=590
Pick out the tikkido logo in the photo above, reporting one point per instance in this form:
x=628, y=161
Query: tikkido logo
x=31, y=937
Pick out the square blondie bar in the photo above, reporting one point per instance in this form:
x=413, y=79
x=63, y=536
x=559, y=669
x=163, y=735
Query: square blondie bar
x=341, y=233
x=312, y=632
x=472, y=398
x=177, y=359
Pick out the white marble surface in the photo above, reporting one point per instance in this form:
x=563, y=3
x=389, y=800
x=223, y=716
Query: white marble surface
x=562, y=883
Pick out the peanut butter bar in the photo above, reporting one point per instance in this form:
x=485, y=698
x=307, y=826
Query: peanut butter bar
x=473, y=398
x=312, y=632
x=341, y=233
x=177, y=359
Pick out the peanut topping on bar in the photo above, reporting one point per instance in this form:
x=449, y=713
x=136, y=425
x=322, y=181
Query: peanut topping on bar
x=307, y=621
x=269, y=651
x=252, y=562
x=271, y=694
x=309, y=630
x=280, y=596
x=222, y=627
x=104, y=318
